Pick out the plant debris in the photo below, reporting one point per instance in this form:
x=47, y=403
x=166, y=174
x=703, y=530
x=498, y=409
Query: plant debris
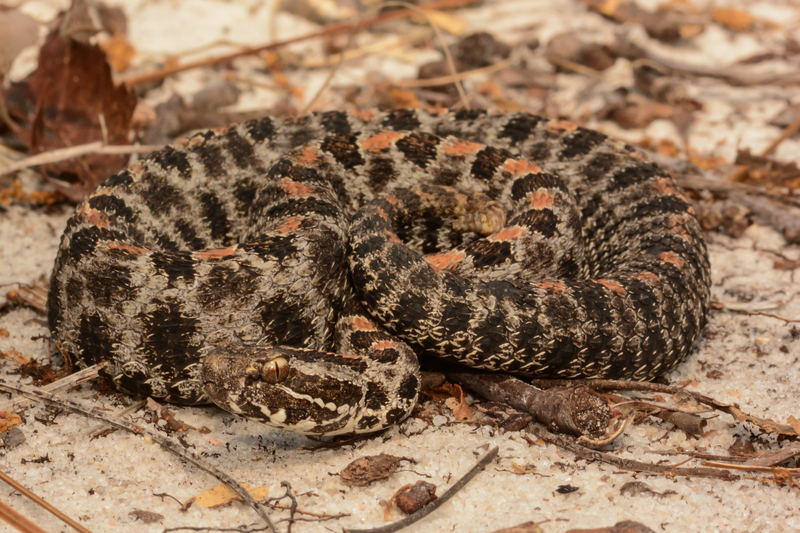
x=366, y=470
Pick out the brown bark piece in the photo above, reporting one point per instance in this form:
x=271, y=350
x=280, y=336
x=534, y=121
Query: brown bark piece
x=365, y=470
x=415, y=497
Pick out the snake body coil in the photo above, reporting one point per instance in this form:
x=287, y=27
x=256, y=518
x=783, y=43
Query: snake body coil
x=259, y=266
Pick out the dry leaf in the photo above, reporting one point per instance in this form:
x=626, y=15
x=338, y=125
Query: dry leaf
x=458, y=405
x=70, y=100
x=452, y=24
x=223, y=495
x=119, y=51
x=15, y=356
x=734, y=19
x=8, y=421
x=17, y=31
x=365, y=470
x=795, y=423
x=636, y=114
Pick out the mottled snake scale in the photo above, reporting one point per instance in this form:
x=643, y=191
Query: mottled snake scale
x=293, y=270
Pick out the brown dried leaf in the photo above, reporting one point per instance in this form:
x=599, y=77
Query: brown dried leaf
x=786, y=264
x=458, y=405
x=402, y=98
x=119, y=51
x=734, y=19
x=795, y=423
x=770, y=426
x=8, y=421
x=223, y=495
x=365, y=470
x=786, y=116
x=17, y=31
x=75, y=102
x=764, y=170
x=452, y=24
x=15, y=356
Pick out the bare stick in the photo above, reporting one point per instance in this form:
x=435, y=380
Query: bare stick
x=435, y=504
x=67, y=381
x=627, y=464
x=166, y=442
x=96, y=147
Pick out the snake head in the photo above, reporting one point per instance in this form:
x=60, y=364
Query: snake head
x=306, y=391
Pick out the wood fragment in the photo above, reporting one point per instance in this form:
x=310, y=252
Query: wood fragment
x=767, y=425
x=571, y=410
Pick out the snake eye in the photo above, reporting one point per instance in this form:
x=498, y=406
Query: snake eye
x=275, y=371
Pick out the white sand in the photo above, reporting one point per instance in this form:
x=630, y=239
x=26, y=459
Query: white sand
x=101, y=481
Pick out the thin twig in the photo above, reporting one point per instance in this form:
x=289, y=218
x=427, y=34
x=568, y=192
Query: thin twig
x=627, y=464
x=428, y=509
x=750, y=468
x=18, y=521
x=96, y=147
x=15, y=404
x=360, y=25
x=741, y=171
x=166, y=442
x=787, y=132
x=331, y=30
x=30, y=495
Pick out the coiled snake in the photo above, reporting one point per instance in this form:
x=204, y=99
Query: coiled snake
x=261, y=266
